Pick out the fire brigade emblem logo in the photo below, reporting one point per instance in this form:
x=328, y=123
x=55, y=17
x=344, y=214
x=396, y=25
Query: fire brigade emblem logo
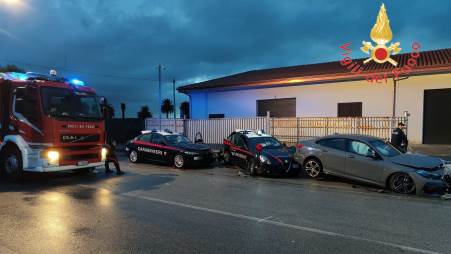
x=381, y=34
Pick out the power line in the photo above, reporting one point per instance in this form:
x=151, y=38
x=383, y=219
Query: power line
x=78, y=71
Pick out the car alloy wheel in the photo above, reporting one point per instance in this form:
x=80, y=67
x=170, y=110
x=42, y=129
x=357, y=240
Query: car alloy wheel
x=133, y=156
x=313, y=168
x=402, y=183
x=179, y=161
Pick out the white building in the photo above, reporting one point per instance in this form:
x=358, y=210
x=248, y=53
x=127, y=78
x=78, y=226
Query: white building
x=329, y=89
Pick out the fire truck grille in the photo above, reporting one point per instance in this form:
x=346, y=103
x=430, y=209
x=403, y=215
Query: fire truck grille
x=79, y=138
x=82, y=148
x=80, y=157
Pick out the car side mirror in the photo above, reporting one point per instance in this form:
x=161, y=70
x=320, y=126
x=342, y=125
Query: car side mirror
x=373, y=155
x=162, y=143
x=198, y=140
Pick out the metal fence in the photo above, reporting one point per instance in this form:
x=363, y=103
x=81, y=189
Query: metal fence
x=288, y=130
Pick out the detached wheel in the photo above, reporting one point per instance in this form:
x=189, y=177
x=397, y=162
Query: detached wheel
x=226, y=156
x=179, y=161
x=252, y=167
x=402, y=183
x=133, y=156
x=313, y=168
x=12, y=167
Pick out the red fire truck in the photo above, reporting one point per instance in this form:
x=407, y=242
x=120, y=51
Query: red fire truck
x=48, y=124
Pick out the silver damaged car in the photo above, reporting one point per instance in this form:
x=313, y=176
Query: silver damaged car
x=372, y=160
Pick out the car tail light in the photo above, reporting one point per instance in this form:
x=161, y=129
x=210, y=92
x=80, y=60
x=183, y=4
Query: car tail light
x=299, y=146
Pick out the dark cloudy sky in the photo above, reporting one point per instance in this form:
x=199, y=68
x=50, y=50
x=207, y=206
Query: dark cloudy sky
x=115, y=45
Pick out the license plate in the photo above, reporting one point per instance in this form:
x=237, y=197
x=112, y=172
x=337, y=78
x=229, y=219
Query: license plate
x=446, y=196
x=197, y=158
x=82, y=163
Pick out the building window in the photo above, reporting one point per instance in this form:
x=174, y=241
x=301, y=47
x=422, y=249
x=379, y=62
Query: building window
x=215, y=116
x=350, y=109
x=277, y=107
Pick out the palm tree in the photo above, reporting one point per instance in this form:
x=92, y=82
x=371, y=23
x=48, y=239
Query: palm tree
x=184, y=109
x=144, y=113
x=11, y=68
x=167, y=107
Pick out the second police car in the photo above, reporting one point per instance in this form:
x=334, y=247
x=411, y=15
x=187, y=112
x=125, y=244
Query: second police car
x=168, y=147
x=259, y=153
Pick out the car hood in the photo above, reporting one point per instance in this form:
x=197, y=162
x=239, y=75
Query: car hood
x=418, y=161
x=192, y=146
x=278, y=153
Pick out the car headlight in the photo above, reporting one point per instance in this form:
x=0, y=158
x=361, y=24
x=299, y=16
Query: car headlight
x=104, y=153
x=53, y=157
x=191, y=153
x=429, y=175
x=264, y=159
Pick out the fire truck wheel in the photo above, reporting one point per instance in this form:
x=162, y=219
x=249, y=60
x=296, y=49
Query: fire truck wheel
x=133, y=156
x=179, y=161
x=12, y=164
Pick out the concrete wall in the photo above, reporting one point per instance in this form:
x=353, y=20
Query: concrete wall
x=322, y=99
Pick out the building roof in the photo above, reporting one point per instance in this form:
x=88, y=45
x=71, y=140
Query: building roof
x=429, y=62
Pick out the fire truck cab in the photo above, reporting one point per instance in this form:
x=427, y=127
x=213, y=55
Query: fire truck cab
x=48, y=124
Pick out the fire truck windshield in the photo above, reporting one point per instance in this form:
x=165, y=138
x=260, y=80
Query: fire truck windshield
x=66, y=103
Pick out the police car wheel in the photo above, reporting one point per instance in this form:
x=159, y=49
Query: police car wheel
x=179, y=161
x=133, y=156
x=12, y=164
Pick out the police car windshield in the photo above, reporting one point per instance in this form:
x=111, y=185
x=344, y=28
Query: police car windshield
x=385, y=148
x=66, y=103
x=266, y=142
x=177, y=139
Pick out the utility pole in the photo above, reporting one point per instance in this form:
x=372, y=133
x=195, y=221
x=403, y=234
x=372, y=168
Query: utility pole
x=160, y=67
x=175, y=108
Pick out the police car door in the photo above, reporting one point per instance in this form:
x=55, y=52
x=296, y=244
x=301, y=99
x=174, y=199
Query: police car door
x=239, y=151
x=143, y=145
x=159, y=147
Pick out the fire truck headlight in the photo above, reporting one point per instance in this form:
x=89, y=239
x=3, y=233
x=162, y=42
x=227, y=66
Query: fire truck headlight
x=104, y=153
x=53, y=157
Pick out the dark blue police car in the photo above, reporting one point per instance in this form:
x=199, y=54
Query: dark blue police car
x=259, y=153
x=168, y=147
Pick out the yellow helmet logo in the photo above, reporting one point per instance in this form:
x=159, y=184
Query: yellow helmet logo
x=381, y=34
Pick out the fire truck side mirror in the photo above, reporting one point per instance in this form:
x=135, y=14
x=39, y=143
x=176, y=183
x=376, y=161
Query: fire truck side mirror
x=102, y=101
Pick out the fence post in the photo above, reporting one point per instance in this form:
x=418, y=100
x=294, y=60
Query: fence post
x=268, y=119
x=184, y=125
x=297, y=130
x=327, y=126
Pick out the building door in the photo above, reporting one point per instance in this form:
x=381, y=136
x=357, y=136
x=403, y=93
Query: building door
x=277, y=107
x=437, y=116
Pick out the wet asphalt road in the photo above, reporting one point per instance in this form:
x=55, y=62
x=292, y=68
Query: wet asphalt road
x=158, y=209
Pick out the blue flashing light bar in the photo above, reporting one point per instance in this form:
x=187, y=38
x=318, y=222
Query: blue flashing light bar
x=15, y=76
x=76, y=82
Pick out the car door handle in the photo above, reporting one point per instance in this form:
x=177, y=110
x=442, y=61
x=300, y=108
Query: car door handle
x=351, y=156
